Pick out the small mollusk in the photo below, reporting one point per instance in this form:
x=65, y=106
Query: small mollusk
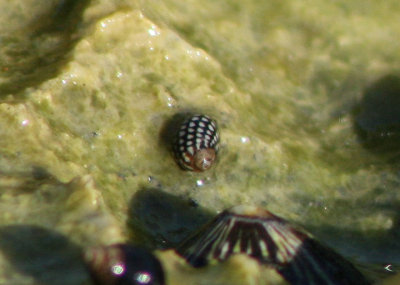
x=123, y=264
x=295, y=254
x=196, y=144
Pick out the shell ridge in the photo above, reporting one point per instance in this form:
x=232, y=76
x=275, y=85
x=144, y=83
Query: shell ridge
x=287, y=242
x=222, y=243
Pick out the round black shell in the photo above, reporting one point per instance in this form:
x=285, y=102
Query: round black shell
x=122, y=264
x=196, y=144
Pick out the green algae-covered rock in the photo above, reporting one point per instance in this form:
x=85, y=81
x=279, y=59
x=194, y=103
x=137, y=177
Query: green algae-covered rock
x=86, y=88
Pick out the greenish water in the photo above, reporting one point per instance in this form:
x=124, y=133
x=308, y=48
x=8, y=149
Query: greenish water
x=86, y=88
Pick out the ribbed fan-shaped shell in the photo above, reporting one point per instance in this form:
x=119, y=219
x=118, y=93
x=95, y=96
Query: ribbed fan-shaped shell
x=295, y=254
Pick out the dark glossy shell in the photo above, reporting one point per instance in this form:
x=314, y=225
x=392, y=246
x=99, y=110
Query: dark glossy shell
x=298, y=257
x=123, y=264
x=196, y=144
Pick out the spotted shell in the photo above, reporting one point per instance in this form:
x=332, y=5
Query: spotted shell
x=123, y=264
x=196, y=144
x=295, y=254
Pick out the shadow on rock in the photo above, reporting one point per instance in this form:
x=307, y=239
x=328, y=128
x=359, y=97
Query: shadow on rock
x=377, y=117
x=44, y=255
x=171, y=126
x=161, y=220
x=36, y=52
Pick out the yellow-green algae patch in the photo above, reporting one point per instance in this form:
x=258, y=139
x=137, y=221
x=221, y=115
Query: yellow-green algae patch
x=239, y=269
x=83, y=105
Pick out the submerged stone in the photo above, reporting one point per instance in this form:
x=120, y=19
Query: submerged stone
x=377, y=119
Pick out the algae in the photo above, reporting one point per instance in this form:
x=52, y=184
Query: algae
x=86, y=88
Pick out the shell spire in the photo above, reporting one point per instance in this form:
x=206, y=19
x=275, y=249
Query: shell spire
x=295, y=254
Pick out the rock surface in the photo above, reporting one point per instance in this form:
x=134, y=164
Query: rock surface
x=86, y=87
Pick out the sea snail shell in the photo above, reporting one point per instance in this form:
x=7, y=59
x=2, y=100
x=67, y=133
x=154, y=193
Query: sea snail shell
x=196, y=144
x=123, y=264
x=274, y=242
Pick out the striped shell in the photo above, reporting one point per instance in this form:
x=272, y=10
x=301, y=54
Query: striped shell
x=298, y=257
x=196, y=144
x=123, y=264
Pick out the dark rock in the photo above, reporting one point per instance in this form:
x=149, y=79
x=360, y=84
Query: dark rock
x=377, y=117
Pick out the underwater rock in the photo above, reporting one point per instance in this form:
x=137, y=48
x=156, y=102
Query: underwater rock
x=271, y=240
x=377, y=118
